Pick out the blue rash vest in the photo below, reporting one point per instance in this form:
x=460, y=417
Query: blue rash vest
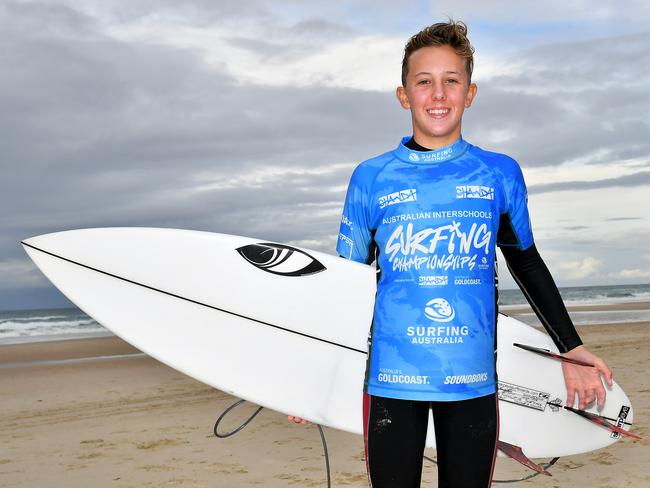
x=432, y=221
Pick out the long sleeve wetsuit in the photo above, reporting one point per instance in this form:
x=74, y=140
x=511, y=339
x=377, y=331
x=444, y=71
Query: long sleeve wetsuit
x=432, y=220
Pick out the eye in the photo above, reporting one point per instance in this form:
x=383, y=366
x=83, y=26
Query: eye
x=280, y=259
x=423, y=82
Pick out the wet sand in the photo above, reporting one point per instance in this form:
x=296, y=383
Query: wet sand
x=130, y=421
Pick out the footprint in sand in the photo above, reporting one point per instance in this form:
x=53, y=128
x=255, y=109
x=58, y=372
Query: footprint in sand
x=157, y=444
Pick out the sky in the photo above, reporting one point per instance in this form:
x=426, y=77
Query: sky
x=247, y=117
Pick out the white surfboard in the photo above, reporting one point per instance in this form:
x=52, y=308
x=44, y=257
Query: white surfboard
x=286, y=328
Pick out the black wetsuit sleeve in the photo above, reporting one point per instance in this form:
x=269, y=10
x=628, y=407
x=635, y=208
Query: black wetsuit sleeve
x=533, y=277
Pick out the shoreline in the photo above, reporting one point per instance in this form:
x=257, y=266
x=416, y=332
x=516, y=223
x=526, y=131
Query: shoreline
x=136, y=422
x=613, y=307
x=64, y=349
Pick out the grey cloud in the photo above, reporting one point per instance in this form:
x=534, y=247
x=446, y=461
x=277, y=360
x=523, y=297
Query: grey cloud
x=576, y=227
x=291, y=43
x=637, y=179
x=97, y=132
x=319, y=28
x=195, y=12
x=621, y=219
x=582, y=100
x=550, y=11
x=45, y=20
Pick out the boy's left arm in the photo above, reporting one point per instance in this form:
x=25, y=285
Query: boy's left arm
x=535, y=280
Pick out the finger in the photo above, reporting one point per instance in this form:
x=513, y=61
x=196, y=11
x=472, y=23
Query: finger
x=607, y=373
x=583, y=398
x=570, y=394
x=602, y=396
x=603, y=369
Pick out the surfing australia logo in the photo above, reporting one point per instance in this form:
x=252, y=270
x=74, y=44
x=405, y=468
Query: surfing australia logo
x=280, y=259
x=439, y=310
x=431, y=156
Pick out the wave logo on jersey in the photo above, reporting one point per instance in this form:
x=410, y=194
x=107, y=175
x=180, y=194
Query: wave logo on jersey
x=475, y=191
x=414, y=157
x=280, y=259
x=401, y=196
x=439, y=310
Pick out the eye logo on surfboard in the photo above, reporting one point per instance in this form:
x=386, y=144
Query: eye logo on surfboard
x=280, y=259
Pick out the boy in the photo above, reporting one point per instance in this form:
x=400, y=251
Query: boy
x=430, y=213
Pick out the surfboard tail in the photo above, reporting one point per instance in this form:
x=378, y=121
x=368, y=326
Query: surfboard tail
x=603, y=422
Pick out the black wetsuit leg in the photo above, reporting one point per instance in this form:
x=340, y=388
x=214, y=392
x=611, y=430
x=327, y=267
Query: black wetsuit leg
x=466, y=441
x=395, y=433
x=466, y=436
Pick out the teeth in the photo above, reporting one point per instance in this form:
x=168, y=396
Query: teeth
x=438, y=111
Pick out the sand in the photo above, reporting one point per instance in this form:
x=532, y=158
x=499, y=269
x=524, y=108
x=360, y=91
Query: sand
x=131, y=421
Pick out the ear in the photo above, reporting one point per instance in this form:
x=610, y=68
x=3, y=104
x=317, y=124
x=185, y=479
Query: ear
x=403, y=98
x=471, y=93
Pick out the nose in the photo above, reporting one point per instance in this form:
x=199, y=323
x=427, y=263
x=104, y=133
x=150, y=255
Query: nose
x=438, y=92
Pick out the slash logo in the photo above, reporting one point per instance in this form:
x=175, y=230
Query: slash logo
x=280, y=259
x=622, y=415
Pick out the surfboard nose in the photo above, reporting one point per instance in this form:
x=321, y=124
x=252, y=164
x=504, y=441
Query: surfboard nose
x=37, y=241
x=75, y=245
x=75, y=242
x=43, y=243
x=46, y=242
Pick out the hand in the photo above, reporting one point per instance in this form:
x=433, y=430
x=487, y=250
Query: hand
x=297, y=420
x=583, y=380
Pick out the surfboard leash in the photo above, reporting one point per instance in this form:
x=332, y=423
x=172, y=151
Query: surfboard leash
x=250, y=419
x=241, y=427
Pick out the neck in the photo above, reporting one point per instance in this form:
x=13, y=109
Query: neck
x=413, y=145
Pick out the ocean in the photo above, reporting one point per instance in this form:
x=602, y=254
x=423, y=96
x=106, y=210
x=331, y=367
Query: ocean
x=21, y=326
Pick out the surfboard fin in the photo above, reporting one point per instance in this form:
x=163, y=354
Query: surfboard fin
x=517, y=453
x=602, y=421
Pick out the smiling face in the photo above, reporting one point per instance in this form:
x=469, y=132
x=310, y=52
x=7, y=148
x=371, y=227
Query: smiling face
x=437, y=91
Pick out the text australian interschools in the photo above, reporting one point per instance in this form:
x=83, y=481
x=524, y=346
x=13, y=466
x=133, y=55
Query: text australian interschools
x=445, y=214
